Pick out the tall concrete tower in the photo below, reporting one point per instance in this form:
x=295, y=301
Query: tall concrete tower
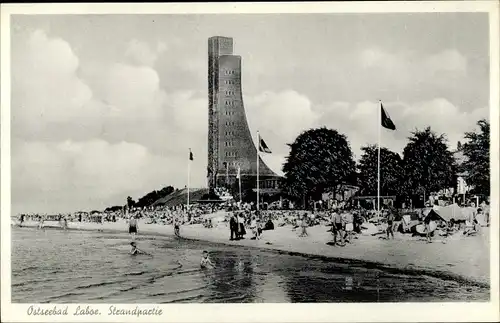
x=230, y=142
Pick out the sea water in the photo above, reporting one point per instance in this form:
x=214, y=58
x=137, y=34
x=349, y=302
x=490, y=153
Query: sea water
x=56, y=266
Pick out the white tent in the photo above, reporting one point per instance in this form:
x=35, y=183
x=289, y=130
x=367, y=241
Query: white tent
x=452, y=211
x=219, y=216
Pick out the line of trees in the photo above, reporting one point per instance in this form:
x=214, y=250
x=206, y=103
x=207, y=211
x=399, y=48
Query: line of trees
x=321, y=160
x=150, y=197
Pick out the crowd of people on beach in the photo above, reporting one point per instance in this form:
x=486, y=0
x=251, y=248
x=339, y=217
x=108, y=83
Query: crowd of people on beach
x=344, y=221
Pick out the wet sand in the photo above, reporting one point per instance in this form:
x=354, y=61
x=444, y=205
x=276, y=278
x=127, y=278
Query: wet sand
x=459, y=258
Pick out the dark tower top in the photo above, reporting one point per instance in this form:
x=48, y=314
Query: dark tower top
x=229, y=138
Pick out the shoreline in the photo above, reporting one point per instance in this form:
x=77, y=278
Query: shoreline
x=462, y=260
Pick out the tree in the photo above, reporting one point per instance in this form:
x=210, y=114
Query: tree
x=113, y=208
x=153, y=196
x=319, y=160
x=130, y=202
x=391, y=171
x=428, y=164
x=477, y=153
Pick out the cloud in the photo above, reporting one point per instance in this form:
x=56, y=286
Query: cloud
x=409, y=67
x=88, y=133
x=283, y=114
x=143, y=132
x=280, y=117
x=360, y=121
x=59, y=98
x=142, y=53
x=69, y=175
x=190, y=112
x=45, y=86
x=447, y=61
x=133, y=90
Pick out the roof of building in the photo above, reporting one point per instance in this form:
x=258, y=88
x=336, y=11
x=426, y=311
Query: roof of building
x=459, y=156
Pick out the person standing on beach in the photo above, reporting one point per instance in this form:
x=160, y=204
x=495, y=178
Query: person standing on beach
x=132, y=226
x=427, y=223
x=303, y=225
x=337, y=227
x=233, y=226
x=254, y=228
x=241, y=227
x=357, y=222
x=390, y=224
x=65, y=222
x=177, y=229
x=42, y=221
x=349, y=226
x=21, y=220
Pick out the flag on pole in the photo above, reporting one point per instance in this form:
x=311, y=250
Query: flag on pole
x=190, y=155
x=386, y=119
x=263, y=146
x=238, y=175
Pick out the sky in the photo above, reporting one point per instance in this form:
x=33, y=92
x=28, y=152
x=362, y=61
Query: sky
x=107, y=106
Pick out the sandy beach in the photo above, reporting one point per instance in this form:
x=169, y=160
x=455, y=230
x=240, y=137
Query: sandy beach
x=465, y=258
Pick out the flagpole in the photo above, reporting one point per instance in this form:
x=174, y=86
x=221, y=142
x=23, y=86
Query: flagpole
x=378, y=159
x=189, y=175
x=258, y=149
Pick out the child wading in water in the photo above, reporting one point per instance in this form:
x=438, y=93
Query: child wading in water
x=136, y=251
x=206, y=262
